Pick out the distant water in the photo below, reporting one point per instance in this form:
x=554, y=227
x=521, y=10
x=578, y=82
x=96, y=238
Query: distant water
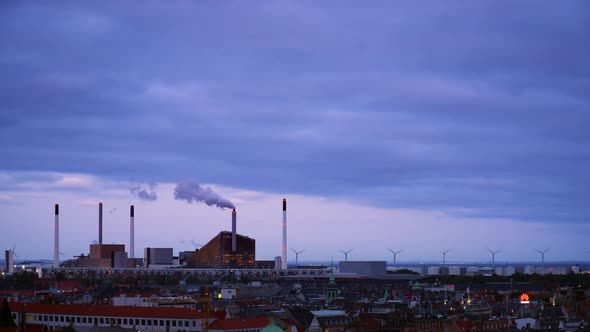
x=585, y=265
x=459, y=263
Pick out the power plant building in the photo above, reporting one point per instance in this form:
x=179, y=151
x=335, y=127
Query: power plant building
x=104, y=256
x=218, y=254
x=158, y=256
x=105, y=251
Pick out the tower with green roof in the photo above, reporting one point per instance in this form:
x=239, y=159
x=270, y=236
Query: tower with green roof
x=331, y=290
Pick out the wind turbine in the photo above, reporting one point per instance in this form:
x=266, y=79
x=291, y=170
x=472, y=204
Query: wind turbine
x=346, y=254
x=297, y=255
x=542, y=252
x=494, y=255
x=444, y=253
x=394, y=254
x=14, y=250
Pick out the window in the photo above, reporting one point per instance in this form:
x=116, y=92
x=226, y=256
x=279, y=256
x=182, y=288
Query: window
x=101, y=320
x=162, y=322
x=83, y=320
x=143, y=322
x=61, y=319
x=149, y=322
x=125, y=321
x=186, y=323
x=137, y=322
x=173, y=323
x=118, y=321
x=51, y=318
x=78, y=320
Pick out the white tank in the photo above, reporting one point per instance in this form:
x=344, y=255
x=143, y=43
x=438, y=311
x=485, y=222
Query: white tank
x=499, y=271
x=509, y=270
x=472, y=270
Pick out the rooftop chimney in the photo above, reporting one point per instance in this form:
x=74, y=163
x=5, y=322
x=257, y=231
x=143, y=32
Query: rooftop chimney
x=233, y=231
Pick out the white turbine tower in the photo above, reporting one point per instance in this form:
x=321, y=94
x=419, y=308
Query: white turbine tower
x=346, y=254
x=542, y=252
x=394, y=255
x=297, y=255
x=494, y=255
x=444, y=253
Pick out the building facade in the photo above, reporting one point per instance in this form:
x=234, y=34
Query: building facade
x=217, y=253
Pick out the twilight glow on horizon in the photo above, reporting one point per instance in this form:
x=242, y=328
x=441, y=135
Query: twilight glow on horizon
x=415, y=126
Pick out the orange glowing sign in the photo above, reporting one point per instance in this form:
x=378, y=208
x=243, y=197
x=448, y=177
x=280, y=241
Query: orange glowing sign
x=524, y=298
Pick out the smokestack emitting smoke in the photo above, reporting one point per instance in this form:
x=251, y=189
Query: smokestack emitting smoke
x=131, y=232
x=284, y=249
x=56, y=239
x=233, y=230
x=192, y=192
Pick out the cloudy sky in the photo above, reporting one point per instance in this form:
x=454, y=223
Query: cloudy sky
x=415, y=126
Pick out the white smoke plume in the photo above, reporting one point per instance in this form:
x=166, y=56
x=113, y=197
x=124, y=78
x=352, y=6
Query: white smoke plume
x=144, y=192
x=191, y=191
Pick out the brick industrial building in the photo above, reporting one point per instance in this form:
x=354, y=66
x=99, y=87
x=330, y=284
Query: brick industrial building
x=217, y=253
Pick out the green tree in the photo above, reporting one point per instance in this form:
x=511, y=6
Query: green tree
x=6, y=315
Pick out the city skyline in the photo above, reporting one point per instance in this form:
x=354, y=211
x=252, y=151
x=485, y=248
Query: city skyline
x=394, y=125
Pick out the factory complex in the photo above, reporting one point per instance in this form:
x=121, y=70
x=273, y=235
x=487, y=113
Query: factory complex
x=227, y=250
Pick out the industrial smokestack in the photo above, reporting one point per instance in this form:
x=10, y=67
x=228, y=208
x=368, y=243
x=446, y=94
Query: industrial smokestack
x=284, y=249
x=132, y=232
x=56, y=239
x=100, y=223
x=233, y=230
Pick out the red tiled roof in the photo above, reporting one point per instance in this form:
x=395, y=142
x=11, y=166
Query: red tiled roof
x=112, y=311
x=467, y=326
x=8, y=329
x=16, y=291
x=231, y=324
x=61, y=284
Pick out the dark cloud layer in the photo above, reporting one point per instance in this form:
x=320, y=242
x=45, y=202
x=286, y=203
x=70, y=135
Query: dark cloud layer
x=479, y=108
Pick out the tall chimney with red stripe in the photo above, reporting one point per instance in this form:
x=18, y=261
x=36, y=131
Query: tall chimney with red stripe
x=284, y=248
